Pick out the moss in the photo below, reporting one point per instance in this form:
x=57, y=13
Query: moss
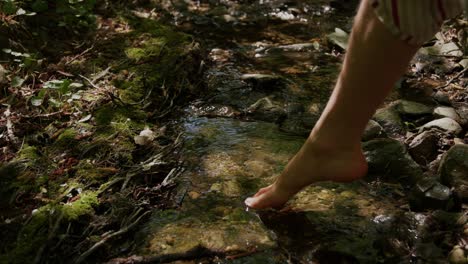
x=37, y=230
x=88, y=171
x=28, y=153
x=8, y=173
x=82, y=206
x=149, y=48
x=67, y=138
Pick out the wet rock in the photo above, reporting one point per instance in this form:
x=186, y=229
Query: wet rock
x=214, y=111
x=390, y=120
x=423, y=148
x=266, y=109
x=263, y=81
x=444, y=111
x=457, y=256
x=441, y=98
x=412, y=109
x=429, y=194
x=453, y=170
x=298, y=47
x=445, y=124
x=298, y=124
x=373, y=130
x=389, y=159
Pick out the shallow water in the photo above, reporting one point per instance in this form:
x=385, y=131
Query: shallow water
x=243, y=134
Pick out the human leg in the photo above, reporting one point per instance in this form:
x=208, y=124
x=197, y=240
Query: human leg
x=374, y=61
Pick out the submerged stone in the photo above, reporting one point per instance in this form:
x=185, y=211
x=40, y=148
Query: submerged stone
x=267, y=110
x=263, y=81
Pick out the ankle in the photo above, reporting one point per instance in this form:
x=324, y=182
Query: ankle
x=327, y=144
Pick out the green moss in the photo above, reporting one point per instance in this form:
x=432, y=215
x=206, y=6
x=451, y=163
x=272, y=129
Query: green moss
x=83, y=206
x=66, y=138
x=37, y=230
x=28, y=153
x=150, y=47
x=87, y=170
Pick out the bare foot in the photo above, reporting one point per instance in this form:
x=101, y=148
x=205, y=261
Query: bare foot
x=311, y=164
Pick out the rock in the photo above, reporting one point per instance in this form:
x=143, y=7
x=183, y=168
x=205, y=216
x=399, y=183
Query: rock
x=457, y=256
x=423, y=148
x=441, y=98
x=262, y=81
x=445, y=124
x=429, y=194
x=298, y=47
x=298, y=124
x=462, y=111
x=390, y=120
x=2, y=74
x=458, y=141
x=445, y=111
x=411, y=108
x=267, y=110
x=373, y=130
x=453, y=170
x=339, y=38
x=389, y=159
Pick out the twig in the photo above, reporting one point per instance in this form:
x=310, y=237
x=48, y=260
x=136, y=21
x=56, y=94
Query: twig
x=9, y=125
x=101, y=74
x=41, y=115
x=90, y=82
x=110, y=236
x=453, y=79
x=79, y=55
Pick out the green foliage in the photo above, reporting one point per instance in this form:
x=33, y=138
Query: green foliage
x=75, y=14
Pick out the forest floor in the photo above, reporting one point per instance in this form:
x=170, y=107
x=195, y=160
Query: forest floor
x=138, y=142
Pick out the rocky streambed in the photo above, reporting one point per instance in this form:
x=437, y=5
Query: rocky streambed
x=270, y=71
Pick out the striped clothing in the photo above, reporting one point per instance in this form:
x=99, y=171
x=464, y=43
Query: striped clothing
x=416, y=21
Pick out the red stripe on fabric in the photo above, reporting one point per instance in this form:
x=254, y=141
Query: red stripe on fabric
x=441, y=9
x=396, y=17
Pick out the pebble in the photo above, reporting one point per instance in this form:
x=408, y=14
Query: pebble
x=373, y=130
x=457, y=256
x=406, y=107
x=423, y=148
x=445, y=111
x=442, y=98
x=194, y=195
x=446, y=124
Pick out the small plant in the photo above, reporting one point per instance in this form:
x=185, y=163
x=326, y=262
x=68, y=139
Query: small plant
x=73, y=14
